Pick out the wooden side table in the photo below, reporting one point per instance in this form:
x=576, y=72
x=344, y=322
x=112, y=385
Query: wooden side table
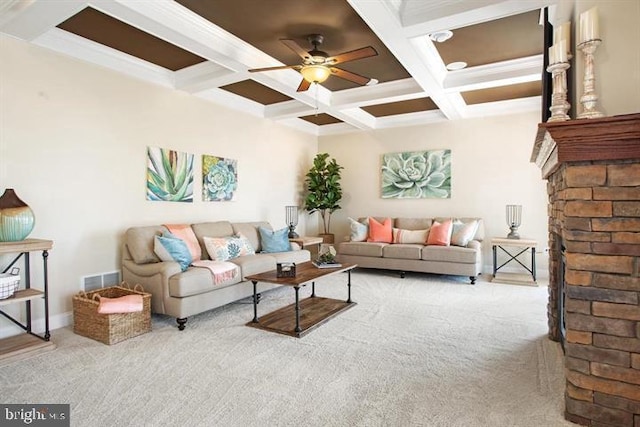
x=307, y=241
x=517, y=247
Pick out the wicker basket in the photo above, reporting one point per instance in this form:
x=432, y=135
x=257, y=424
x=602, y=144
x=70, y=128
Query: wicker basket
x=110, y=328
x=9, y=283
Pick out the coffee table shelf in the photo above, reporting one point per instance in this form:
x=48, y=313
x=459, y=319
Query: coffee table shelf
x=300, y=318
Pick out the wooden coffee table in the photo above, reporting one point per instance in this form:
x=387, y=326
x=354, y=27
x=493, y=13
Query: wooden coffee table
x=303, y=316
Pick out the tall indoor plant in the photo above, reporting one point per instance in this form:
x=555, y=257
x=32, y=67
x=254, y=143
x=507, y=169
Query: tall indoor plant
x=323, y=191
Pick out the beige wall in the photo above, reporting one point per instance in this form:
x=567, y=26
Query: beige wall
x=73, y=141
x=490, y=169
x=617, y=59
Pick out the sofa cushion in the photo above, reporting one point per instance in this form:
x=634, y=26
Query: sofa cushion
x=371, y=249
x=211, y=229
x=380, y=232
x=413, y=223
x=140, y=243
x=255, y=264
x=250, y=231
x=401, y=235
x=171, y=248
x=194, y=281
x=359, y=230
x=449, y=254
x=274, y=241
x=440, y=233
x=402, y=251
x=226, y=248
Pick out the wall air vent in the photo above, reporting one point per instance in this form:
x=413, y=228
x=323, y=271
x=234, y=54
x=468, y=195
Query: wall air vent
x=100, y=280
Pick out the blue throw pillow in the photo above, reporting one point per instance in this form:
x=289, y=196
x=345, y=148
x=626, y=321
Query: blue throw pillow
x=274, y=241
x=171, y=248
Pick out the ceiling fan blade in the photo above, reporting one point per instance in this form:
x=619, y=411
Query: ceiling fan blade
x=280, y=67
x=352, y=55
x=291, y=44
x=348, y=75
x=304, y=85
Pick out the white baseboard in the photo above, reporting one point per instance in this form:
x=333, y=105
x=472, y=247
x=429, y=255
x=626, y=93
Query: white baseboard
x=37, y=326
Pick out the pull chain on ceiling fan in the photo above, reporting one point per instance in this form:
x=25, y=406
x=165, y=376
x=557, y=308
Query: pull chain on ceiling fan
x=317, y=65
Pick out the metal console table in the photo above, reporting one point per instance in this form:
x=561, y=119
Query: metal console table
x=520, y=246
x=28, y=343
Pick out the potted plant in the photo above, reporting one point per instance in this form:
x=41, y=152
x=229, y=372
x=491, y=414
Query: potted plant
x=324, y=191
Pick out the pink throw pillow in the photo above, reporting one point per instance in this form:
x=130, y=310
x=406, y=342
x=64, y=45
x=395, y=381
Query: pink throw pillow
x=185, y=232
x=380, y=233
x=440, y=233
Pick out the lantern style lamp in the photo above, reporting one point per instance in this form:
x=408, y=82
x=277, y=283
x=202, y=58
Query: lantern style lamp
x=292, y=220
x=514, y=220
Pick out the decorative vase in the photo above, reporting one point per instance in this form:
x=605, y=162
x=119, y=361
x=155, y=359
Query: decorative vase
x=16, y=217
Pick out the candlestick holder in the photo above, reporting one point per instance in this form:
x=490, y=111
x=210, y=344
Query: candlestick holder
x=589, y=98
x=559, y=104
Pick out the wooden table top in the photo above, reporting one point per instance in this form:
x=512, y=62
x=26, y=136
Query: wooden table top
x=305, y=272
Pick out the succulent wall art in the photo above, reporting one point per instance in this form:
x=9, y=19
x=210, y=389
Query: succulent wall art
x=417, y=175
x=219, y=178
x=169, y=175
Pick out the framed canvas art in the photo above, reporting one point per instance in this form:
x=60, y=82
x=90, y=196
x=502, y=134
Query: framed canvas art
x=169, y=175
x=219, y=178
x=417, y=175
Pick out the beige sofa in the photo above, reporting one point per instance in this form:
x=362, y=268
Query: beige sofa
x=450, y=260
x=183, y=294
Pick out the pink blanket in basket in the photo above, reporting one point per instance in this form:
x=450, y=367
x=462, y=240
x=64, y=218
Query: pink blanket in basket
x=221, y=270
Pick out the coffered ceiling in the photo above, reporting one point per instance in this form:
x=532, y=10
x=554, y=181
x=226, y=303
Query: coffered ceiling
x=206, y=47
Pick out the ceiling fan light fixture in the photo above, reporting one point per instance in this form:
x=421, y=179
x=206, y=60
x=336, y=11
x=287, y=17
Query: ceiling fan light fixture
x=315, y=73
x=441, y=36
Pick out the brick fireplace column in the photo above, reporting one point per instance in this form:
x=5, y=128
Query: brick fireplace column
x=593, y=173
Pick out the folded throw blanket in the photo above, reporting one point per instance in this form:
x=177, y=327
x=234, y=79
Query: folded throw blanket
x=221, y=270
x=124, y=304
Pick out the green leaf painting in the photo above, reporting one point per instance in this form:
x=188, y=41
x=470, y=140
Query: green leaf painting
x=417, y=175
x=169, y=175
x=219, y=178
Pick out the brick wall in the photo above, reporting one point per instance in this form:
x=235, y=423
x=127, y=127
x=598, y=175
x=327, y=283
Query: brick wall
x=594, y=211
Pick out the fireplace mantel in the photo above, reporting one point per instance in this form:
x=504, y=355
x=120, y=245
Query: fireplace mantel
x=609, y=138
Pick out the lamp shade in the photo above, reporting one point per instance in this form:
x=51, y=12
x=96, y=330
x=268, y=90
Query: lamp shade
x=315, y=73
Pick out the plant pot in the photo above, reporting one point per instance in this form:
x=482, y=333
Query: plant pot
x=16, y=217
x=327, y=238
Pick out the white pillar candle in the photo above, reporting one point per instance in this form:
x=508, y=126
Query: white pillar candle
x=552, y=55
x=562, y=48
x=562, y=32
x=589, y=26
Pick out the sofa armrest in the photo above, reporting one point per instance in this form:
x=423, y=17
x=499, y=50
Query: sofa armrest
x=154, y=278
x=295, y=246
x=165, y=268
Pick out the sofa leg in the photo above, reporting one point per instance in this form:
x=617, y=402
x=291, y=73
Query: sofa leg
x=182, y=321
x=473, y=279
x=402, y=274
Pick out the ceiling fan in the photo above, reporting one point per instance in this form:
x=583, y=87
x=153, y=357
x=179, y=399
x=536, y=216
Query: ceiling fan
x=317, y=65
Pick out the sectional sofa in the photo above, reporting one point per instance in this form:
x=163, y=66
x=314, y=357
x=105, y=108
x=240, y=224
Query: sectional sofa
x=181, y=294
x=461, y=257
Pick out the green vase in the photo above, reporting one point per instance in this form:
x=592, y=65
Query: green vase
x=16, y=217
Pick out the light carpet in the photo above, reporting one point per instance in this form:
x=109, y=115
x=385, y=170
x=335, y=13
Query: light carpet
x=421, y=351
